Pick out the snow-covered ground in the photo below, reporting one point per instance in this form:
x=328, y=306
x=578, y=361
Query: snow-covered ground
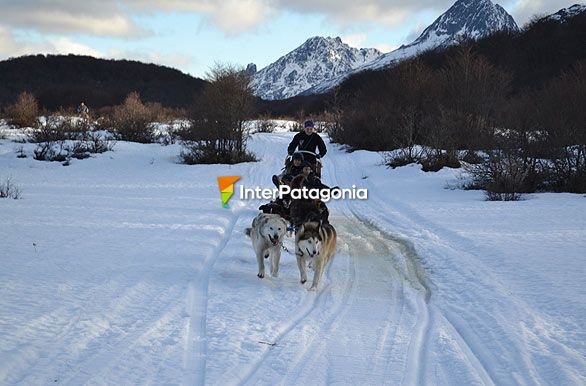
x=125, y=269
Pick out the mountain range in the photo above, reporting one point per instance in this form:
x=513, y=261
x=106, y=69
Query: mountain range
x=302, y=70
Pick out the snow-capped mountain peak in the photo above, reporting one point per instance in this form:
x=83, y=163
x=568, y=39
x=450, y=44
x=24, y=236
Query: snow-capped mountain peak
x=315, y=61
x=465, y=19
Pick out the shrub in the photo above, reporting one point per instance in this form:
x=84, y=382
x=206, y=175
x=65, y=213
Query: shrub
x=295, y=127
x=403, y=156
x=24, y=111
x=206, y=153
x=60, y=139
x=265, y=125
x=131, y=121
x=53, y=129
x=502, y=174
x=9, y=190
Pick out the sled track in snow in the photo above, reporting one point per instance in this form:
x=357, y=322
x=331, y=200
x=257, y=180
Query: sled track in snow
x=317, y=299
x=197, y=301
x=415, y=371
x=474, y=358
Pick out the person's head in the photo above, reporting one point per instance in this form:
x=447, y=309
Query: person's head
x=308, y=127
x=306, y=169
x=297, y=159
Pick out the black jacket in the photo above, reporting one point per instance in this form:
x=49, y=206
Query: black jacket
x=307, y=143
x=292, y=171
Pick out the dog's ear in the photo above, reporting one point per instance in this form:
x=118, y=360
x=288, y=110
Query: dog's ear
x=264, y=221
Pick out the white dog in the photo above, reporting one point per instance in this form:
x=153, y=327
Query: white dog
x=267, y=234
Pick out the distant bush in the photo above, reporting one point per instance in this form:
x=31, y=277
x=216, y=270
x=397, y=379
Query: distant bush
x=52, y=129
x=265, y=125
x=23, y=113
x=296, y=127
x=403, y=156
x=206, y=153
x=60, y=139
x=502, y=174
x=132, y=120
x=9, y=190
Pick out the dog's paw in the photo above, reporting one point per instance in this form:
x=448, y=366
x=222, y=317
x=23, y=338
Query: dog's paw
x=261, y=275
x=312, y=289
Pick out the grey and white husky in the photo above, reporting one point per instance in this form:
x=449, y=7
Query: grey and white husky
x=315, y=244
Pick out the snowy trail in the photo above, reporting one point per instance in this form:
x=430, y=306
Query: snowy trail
x=327, y=330
x=124, y=269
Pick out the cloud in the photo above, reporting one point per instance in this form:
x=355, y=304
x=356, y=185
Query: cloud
x=117, y=18
x=10, y=46
x=356, y=40
x=114, y=18
x=389, y=13
x=103, y=18
x=237, y=16
x=385, y=48
x=415, y=33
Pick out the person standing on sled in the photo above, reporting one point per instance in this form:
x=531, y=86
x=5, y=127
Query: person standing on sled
x=308, y=140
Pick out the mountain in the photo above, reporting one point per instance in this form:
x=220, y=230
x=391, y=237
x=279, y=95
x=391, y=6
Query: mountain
x=566, y=13
x=315, y=61
x=66, y=80
x=465, y=19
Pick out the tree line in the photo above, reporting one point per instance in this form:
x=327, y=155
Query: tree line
x=63, y=81
x=513, y=105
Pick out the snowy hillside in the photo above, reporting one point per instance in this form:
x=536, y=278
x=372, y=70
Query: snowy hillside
x=464, y=19
x=124, y=269
x=566, y=13
x=315, y=61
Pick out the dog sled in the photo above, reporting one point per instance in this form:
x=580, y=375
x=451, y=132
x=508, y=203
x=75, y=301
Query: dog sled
x=315, y=167
x=299, y=211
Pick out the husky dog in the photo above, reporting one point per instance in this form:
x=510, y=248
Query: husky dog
x=267, y=234
x=315, y=244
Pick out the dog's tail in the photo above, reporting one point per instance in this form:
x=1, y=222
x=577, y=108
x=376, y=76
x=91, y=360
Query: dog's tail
x=248, y=231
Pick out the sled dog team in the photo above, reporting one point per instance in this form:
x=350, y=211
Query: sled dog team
x=314, y=245
x=315, y=238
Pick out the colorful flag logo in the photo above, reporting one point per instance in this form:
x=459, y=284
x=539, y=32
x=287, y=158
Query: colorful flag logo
x=226, y=184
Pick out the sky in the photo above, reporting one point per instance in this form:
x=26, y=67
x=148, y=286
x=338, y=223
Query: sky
x=193, y=35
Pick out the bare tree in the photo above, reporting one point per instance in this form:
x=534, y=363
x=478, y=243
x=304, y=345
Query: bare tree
x=218, y=133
